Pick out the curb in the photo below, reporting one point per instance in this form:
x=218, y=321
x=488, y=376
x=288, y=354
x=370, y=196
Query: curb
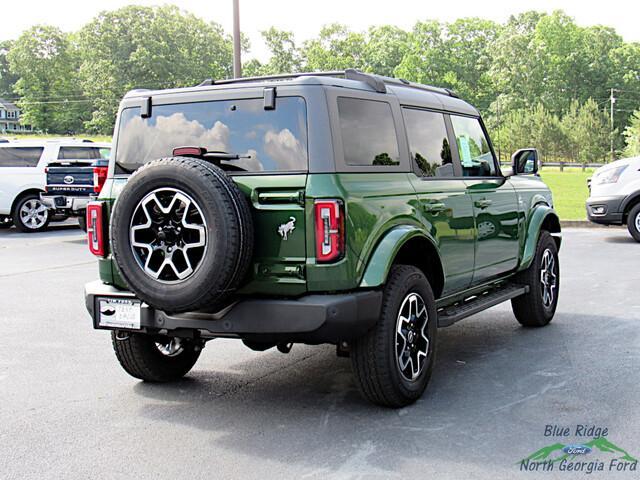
x=584, y=224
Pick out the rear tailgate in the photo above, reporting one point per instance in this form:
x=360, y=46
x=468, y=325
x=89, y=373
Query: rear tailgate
x=76, y=180
x=278, y=212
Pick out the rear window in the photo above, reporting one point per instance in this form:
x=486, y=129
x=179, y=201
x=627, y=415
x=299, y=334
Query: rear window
x=83, y=153
x=368, y=133
x=266, y=140
x=20, y=156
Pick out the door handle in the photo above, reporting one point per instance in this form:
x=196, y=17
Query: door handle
x=435, y=207
x=484, y=203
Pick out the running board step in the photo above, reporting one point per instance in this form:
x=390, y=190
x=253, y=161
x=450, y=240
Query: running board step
x=450, y=315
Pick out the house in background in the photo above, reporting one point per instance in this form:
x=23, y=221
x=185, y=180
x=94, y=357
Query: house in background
x=10, y=118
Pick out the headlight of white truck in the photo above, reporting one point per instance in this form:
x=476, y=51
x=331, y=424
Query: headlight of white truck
x=611, y=175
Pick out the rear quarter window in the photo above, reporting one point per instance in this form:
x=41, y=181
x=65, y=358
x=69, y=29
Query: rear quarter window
x=20, y=156
x=266, y=140
x=428, y=142
x=368, y=132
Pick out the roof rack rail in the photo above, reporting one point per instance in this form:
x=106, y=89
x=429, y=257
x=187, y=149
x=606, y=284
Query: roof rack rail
x=406, y=83
x=374, y=81
x=283, y=76
x=377, y=82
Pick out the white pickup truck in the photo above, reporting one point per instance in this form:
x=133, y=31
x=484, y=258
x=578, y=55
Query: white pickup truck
x=23, y=177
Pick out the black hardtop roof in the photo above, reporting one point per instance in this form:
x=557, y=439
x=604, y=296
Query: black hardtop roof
x=408, y=93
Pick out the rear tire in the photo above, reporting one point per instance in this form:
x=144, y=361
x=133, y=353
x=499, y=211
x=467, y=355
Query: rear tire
x=141, y=356
x=537, y=307
x=389, y=362
x=30, y=215
x=633, y=222
x=82, y=223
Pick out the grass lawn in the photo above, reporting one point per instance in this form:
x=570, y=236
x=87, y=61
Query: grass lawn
x=569, y=191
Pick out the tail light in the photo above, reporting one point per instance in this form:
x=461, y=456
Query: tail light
x=99, y=177
x=95, y=228
x=329, y=230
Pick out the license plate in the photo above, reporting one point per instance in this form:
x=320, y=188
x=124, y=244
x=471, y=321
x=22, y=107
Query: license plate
x=119, y=313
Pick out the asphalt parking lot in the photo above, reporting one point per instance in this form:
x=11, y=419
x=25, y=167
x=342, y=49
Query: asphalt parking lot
x=69, y=411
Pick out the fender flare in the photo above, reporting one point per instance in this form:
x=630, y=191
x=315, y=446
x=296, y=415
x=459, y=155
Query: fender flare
x=629, y=200
x=385, y=252
x=540, y=215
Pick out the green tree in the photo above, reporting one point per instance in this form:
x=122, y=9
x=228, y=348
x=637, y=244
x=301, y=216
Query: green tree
x=587, y=130
x=285, y=55
x=632, y=136
x=335, y=48
x=384, y=49
x=147, y=47
x=7, y=79
x=454, y=55
x=625, y=77
x=45, y=63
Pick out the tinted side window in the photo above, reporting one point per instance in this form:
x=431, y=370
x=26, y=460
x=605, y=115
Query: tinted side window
x=368, y=132
x=20, y=156
x=473, y=147
x=79, y=153
x=428, y=142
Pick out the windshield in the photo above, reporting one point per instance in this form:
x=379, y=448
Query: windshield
x=266, y=140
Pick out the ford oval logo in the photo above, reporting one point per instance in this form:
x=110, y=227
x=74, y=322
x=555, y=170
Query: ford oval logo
x=69, y=179
x=576, y=449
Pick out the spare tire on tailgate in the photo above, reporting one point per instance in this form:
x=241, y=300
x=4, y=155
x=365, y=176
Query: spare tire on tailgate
x=181, y=234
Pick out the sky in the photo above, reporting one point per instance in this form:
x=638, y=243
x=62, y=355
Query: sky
x=305, y=18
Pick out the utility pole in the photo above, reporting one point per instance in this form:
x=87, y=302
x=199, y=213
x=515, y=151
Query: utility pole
x=237, y=65
x=499, y=125
x=613, y=102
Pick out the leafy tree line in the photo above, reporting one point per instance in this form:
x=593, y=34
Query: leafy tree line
x=74, y=82
x=539, y=79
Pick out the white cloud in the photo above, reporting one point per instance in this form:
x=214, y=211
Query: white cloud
x=145, y=142
x=284, y=148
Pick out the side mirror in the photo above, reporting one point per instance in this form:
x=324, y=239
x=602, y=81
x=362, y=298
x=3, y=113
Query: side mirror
x=525, y=162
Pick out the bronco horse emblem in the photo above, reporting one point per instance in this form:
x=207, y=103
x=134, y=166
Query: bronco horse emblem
x=286, y=228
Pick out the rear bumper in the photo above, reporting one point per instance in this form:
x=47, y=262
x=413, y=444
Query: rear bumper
x=605, y=210
x=308, y=319
x=64, y=202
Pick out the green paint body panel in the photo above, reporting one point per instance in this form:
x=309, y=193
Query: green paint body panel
x=383, y=212
x=537, y=218
x=382, y=258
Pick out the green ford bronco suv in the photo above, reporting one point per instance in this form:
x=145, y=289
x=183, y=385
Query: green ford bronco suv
x=340, y=207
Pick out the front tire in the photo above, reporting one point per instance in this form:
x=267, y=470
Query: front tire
x=154, y=358
x=537, y=307
x=30, y=215
x=393, y=362
x=633, y=222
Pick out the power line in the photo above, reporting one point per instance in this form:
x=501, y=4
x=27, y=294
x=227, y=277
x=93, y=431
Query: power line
x=27, y=102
